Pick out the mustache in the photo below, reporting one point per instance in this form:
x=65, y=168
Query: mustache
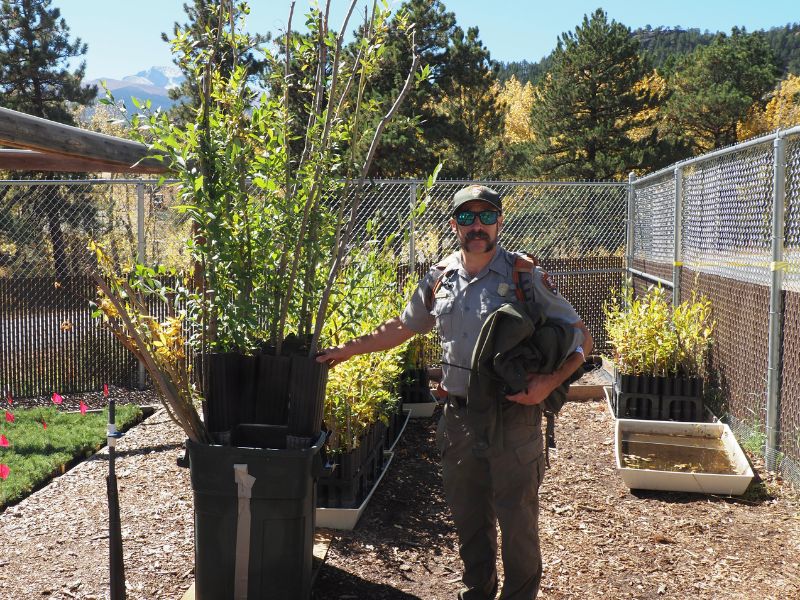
x=478, y=235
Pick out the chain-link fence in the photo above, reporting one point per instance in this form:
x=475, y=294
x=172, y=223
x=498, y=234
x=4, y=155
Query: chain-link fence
x=48, y=338
x=49, y=342
x=710, y=225
x=726, y=225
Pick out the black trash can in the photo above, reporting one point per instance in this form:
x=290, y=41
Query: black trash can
x=276, y=560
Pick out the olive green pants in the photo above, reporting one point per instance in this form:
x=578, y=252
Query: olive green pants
x=503, y=489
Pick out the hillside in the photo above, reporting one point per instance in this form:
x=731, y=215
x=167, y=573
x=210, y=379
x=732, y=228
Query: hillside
x=660, y=44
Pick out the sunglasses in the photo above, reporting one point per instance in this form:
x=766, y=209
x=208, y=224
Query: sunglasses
x=467, y=217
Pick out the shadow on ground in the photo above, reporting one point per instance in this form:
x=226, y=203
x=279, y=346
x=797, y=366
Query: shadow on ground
x=757, y=493
x=405, y=539
x=335, y=584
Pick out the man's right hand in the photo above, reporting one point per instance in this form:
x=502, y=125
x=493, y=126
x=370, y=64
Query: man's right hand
x=334, y=356
x=388, y=335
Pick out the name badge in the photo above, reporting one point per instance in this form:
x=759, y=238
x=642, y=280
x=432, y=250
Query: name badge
x=442, y=294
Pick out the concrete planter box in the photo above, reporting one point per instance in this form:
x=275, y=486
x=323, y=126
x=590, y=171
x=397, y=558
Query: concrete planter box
x=661, y=455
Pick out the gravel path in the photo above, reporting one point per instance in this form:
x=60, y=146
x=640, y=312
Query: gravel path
x=55, y=542
x=598, y=539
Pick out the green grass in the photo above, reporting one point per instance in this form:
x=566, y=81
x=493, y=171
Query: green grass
x=35, y=454
x=755, y=442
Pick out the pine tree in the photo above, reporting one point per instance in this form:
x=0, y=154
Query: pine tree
x=450, y=114
x=408, y=143
x=583, y=112
x=713, y=88
x=524, y=71
x=35, y=48
x=470, y=103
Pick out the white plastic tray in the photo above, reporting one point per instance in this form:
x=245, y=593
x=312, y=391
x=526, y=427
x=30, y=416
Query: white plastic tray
x=608, y=392
x=705, y=483
x=346, y=518
x=420, y=410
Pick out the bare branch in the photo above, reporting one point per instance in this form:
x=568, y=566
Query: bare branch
x=345, y=239
x=313, y=193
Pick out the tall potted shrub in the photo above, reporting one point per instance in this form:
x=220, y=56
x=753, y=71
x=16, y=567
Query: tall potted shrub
x=272, y=182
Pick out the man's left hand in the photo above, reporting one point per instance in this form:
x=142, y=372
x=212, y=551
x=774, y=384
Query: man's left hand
x=539, y=388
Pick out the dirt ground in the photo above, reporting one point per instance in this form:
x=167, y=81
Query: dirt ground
x=599, y=540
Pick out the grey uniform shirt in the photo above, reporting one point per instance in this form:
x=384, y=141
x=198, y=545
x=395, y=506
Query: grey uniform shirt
x=462, y=303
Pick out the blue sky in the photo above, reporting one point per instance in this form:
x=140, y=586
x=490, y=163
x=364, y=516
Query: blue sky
x=124, y=36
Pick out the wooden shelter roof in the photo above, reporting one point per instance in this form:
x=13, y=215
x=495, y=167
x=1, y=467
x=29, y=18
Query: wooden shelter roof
x=36, y=144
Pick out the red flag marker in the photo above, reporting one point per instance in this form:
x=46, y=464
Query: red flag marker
x=4, y=472
x=9, y=399
x=57, y=398
x=3, y=441
x=83, y=407
x=105, y=390
x=44, y=425
x=9, y=417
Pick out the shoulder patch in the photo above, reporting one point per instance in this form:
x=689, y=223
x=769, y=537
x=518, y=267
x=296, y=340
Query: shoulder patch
x=548, y=283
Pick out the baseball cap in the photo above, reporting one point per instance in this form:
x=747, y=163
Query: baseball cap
x=476, y=192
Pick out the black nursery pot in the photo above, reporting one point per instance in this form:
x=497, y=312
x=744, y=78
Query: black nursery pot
x=673, y=398
x=414, y=386
x=265, y=389
x=307, y=381
x=231, y=392
x=266, y=533
x=273, y=389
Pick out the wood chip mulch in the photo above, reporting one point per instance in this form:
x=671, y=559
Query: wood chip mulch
x=599, y=540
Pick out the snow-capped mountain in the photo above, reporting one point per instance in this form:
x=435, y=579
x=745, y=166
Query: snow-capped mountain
x=165, y=77
x=151, y=84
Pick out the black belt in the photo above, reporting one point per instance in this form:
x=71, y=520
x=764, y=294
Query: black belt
x=459, y=401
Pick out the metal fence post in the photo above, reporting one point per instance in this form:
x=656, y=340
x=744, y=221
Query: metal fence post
x=412, y=250
x=777, y=268
x=629, y=227
x=140, y=253
x=677, y=254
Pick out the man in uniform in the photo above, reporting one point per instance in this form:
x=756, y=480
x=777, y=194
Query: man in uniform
x=502, y=486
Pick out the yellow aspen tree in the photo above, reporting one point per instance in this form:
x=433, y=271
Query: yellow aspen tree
x=781, y=112
x=642, y=123
x=518, y=100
